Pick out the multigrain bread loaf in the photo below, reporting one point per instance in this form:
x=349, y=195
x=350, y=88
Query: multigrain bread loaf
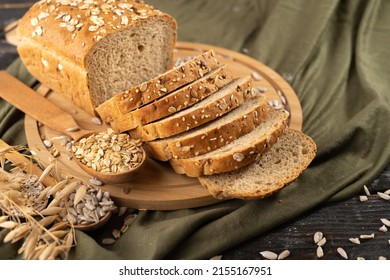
x=91, y=50
x=238, y=153
x=211, y=136
x=173, y=102
x=210, y=108
x=281, y=165
x=158, y=86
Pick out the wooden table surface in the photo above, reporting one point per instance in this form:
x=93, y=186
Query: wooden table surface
x=337, y=221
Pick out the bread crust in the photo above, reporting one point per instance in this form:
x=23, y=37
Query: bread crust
x=61, y=37
x=173, y=102
x=216, y=137
x=196, y=116
x=234, y=159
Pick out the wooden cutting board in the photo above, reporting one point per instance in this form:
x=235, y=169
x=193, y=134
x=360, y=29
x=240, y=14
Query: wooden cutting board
x=158, y=187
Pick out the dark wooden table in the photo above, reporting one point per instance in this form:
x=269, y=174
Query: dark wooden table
x=337, y=221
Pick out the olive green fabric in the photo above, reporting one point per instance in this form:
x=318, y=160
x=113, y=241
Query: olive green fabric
x=335, y=54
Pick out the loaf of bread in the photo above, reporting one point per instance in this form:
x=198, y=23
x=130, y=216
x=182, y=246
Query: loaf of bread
x=281, y=165
x=174, y=102
x=91, y=50
x=210, y=108
x=238, y=153
x=212, y=136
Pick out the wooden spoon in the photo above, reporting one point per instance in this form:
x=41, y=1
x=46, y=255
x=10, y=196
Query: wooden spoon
x=42, y=110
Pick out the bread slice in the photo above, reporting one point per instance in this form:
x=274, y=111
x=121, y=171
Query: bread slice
x=90, y=50
x=175, y=101
x=281, y=165
x=210, y=108
x=238, y=153
x=213, y=135
x=158, y=86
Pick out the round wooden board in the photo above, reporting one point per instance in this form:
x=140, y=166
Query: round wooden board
x=158, y=187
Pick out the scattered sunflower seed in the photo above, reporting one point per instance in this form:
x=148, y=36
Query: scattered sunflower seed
x=383, y=228
x=386, y=222
x=367, y=236
x=269, y=255
x=360, y=258
x=366, y=190
x=383, y=195
x=320, y=252
x=283, y=255
x=219, y=257
x=318, y=236
x=363, y=198
x=342, y=253
x=355, y=240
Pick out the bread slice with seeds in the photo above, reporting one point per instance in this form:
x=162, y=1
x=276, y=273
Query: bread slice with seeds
x=279, y=166
x=144, y=93
x=174, y=101
x=238, y=153
x=90, y=50
x=213, y=135
x=219, y=103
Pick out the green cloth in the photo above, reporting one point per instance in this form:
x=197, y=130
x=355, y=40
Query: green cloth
x=335, y=54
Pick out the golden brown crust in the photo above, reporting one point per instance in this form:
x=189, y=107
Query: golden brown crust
x=196, y=116
x=172, y=103
x=214, y=138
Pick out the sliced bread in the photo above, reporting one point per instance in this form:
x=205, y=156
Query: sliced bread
x=175, y=101
x=238, y=153
x=133, y=98
x=213, y=135
x=281, y=165
x=210, y=108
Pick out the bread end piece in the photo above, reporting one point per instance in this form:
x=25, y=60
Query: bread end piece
x=280, y=166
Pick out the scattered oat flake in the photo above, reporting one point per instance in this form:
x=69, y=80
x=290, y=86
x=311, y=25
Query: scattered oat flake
x=360, y=258
x=382, y=258
x=269, y=255
x=219, y=257
x=342, y=253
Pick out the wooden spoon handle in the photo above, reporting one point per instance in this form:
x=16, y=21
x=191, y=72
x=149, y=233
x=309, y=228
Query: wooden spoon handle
x=35, y=105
